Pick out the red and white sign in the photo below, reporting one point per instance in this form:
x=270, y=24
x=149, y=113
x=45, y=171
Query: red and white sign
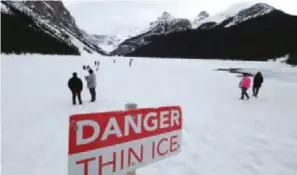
x=119, y=142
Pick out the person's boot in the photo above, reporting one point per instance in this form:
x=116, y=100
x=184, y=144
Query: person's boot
x=92, y=99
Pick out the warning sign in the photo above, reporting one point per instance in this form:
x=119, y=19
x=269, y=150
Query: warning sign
x=119, y=142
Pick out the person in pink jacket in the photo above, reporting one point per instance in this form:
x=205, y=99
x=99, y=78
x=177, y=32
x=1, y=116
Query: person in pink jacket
x=245, y=84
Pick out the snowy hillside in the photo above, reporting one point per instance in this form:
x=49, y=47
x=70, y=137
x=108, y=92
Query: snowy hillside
x=167, y=26
x=239, y=12
x=53, y=18
x=249, y=13
x=221, y=134
x=164, y=24
x=164, y=18
x=197, y=21
x=108, y=42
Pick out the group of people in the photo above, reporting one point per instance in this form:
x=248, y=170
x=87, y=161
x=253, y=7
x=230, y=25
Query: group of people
x=130, y=62
x=245, y=84
x=75, y=84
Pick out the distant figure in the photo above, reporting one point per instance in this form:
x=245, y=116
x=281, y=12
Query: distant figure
x=257, y=83
x=245, y=85
x=114, y=61
x=75, y=85
x=97, y=64
x=130, y=62
x=91, y=84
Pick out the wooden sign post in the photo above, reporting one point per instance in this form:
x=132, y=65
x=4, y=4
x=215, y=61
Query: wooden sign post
x=131, y=106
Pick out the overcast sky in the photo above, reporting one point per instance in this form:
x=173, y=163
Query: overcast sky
x=121, y=16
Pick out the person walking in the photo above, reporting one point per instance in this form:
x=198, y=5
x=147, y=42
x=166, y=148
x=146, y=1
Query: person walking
x=91, y=84
x=257, y=83
x=245, y=85
x=130, y=62
x=75, y=85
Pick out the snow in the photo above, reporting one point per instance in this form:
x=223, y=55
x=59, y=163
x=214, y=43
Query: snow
x=225, y=14
x=51, y=28
x=81, y=46
x=108, y=47
x=202, y=15
x=221, y=134
x=48, y=6
x=5, y=9
x=258, y=10
x=221, y=16
x=164, y=18
x=108, y=43
x=237, y=7
x=43, y=23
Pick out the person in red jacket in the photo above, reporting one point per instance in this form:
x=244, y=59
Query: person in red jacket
x=75, y=85
x=245, y=84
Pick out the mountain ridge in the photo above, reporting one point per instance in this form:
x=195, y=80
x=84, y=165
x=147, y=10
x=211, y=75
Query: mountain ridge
x=236, y=13
x=49, y=17
x=248, y=41
x=241, y=36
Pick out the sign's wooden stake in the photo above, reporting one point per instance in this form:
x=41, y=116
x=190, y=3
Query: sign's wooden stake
x=131, y=106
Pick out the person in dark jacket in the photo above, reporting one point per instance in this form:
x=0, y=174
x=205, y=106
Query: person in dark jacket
x=258, y=80
x=75, y=85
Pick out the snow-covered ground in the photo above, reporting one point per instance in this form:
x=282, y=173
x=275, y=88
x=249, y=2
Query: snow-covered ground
x=221, y=136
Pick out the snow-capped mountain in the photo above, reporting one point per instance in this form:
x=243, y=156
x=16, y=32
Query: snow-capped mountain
x=235, y=14
x=241, y=32
x=202, y=15
x=167, y=23
x=107, y=42
x=163, y=19
x=249, y=13
x=164, y=24
x=53, y=18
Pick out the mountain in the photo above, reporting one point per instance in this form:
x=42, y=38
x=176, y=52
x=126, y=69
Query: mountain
x=249, y=13
x=107, y=42
x=20, y=33
x=206, y=21
x=163, y=25
x=202, y=16
x=44, y=21
x=259, y=32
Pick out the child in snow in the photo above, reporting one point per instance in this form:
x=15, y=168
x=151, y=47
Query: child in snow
x=245, y=85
